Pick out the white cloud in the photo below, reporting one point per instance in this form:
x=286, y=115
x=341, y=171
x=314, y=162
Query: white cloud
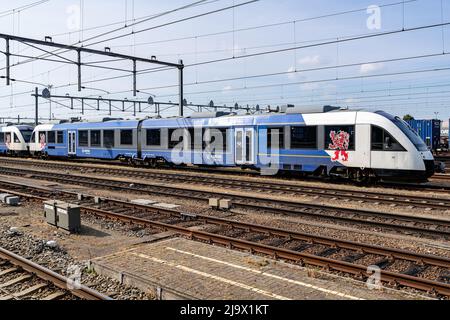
x=237, y=50
x=350, y=100
x=292, y=73
x=309, y=86
x=370, y=67
x=310, y=60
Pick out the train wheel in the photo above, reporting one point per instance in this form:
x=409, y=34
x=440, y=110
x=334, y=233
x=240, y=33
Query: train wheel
x=361, y=176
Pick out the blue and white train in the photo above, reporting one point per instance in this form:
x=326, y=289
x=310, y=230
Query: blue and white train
x=359, y=145
x=15, y=139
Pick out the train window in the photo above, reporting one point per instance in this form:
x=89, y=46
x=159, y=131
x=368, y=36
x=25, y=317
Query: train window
x=304, y=137
x=83, y=138
x=16, y=138
x=153, y=137
x=196, y=137
x=60, y=137
x=51, y=137
x=126, y=137
x=8, y=137
x=108, y=138
x=26, y=134
x=248, y=145
x=224, y=138
x=175, y=137
x=32, y=140
x=2, y=137
x=210, y=136
x=96, y=140
x=377, y=139
x=336, y=129
x=278, y=135
x=384, y=141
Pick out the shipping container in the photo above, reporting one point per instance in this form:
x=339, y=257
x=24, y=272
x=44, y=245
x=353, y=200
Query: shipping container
x=445, y=141
x=429, y=131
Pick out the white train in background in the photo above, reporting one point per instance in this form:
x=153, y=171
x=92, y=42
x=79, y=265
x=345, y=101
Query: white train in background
x=15, y=139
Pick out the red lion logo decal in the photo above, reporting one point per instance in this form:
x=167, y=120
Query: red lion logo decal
x=340, y=142
x=8, y=141
x=42, y=140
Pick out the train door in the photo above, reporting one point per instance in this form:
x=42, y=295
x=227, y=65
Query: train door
x=140, y=138
x=362, y=148
x=245, y=146
x=71, y=143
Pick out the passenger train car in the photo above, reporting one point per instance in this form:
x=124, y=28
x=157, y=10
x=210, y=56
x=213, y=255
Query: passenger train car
x=359, y=145
x=14, y=139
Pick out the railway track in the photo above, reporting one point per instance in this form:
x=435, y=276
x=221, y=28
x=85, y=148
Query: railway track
x=445, y=159
x=272, y=187
x=22, y=279
x=398, y=268
x=443, y=177
x=421, y=226
x=117, y=168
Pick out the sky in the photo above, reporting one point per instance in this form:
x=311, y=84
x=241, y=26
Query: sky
x=401, y=72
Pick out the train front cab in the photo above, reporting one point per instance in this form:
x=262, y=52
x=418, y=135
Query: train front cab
x=397, y=153
x=14, y=140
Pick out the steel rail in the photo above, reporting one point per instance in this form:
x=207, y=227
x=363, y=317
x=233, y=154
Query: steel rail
x=58, y=280
x=262, y=204
x=377, y=197
x=238, y=173
x=291, y=255
x=441, y=177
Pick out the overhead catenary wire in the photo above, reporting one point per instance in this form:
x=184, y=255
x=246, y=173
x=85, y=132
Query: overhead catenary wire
x=277, y=73
x=313, y=97
x=174, y=22
x=337, y=41
x=407, y=96
x=263, y=26
x=61, y=51
x=229, y=79
x=282, y=50
x=142, y=21
x=124, y=22
x=279, y=50
x=314, y=81
x=22, y=8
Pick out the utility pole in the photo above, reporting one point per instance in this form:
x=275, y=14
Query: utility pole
x=36, y=110
x=181, y=105
x=49, y=87
x=8, y=68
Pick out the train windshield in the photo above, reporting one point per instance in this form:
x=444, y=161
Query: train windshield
x=26, y=134
x=407, y=130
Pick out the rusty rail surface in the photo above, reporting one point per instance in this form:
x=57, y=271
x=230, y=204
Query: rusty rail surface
x=58, y=280
x=300, y=258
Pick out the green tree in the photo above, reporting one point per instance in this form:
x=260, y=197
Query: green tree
x=408, y=117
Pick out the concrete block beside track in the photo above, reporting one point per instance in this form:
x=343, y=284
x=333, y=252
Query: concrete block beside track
x=9, y=199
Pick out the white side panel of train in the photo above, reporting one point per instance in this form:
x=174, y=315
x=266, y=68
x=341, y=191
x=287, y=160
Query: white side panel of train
x=363, y=157
x=36, y=146
x=358, y=158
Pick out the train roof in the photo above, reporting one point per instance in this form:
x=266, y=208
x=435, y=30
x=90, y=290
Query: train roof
x=18, y=126
x=289, y=114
